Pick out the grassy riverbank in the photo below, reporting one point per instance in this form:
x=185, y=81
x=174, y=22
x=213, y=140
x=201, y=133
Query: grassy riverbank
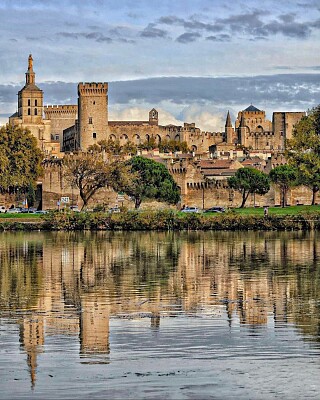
x=290, y=218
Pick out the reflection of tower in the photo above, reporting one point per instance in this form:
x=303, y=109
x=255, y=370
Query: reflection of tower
x=32, y=339
x=94, y=325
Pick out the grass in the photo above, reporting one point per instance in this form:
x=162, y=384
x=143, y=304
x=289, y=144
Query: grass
x=290, y=210
x=19, y=216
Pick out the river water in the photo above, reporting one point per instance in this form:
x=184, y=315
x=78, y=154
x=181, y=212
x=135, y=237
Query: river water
x=204, y=315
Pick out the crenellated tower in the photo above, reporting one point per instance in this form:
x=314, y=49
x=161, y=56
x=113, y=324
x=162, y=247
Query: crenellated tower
x=92, y=113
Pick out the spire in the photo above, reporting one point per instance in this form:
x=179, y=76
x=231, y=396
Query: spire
x=30, y=75
x=242, y=124
x=228, y=121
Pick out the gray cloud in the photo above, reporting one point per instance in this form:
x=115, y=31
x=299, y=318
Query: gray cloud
x=188, y=37
x=280, y=92
x=250, y=23
x=96, y=36
x=219, y=38
x=192, y=23
x=152, y=32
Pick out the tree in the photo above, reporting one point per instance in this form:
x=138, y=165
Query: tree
x=113, y=147
x=89, y=172
x=285, y=176
x=303, y=151
x=31, y=196
x=249, y=180
x=149, y=180
x=20, y=159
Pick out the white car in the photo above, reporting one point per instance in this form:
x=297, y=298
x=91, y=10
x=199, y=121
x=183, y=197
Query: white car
x=190, y=210
x=3, y=209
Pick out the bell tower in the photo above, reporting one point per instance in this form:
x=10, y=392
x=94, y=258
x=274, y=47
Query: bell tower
x=153, y=117
x=30, y=98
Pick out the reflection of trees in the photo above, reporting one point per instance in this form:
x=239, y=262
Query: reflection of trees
x=20, y=274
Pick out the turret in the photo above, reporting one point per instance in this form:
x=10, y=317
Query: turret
x=228, y=129
x=242, y=131
x=153, y=117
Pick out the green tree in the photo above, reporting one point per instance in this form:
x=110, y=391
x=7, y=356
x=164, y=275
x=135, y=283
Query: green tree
x=31, y=195
x=285, y=176
x=113, y=147
x=90, y=172
x=149, y=179
x=20, y=159
x=303, y=151
x=249, y=180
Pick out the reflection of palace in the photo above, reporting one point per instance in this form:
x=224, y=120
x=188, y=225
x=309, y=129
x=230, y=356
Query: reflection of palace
x=71, y=284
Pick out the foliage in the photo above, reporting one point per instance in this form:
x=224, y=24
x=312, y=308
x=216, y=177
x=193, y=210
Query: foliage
x=249, y=180
x=303, y=151
x=113, y=147
x=171, y=220
x=149, y=179
x=90, y=172
x=285, y=176
x=31, y=195
x=20, y=159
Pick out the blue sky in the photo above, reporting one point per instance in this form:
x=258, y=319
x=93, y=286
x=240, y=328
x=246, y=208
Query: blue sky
x=191, y=59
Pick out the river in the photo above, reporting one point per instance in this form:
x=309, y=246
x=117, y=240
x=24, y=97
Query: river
x=134, y=315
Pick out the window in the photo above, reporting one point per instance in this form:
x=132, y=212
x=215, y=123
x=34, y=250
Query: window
x=36, y=103
x=94, y=135
x=29, y=102
x=90, y=120
x=29, y=111
x=35, y=111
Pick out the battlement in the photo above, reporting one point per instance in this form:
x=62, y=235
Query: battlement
x=92, y=88
x=53, y=109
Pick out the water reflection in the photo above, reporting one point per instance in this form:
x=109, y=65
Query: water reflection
x=72, y=283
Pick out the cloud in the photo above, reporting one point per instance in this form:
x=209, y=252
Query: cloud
x=192, y=23
x=188, y=37
x=141, y=114
x=152, y=32
x=251, y=23
x=96, y=36
x=219, y=38
x=201, y=100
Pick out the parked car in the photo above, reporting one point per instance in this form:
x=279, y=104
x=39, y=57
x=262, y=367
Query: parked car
x=114, y=210
x=3, y=209
x=41, y=212
x=190, y=210
x=15, y=210
x=74, y=208
x=215, y=210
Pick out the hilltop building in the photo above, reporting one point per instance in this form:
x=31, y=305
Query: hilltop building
x=70, y=128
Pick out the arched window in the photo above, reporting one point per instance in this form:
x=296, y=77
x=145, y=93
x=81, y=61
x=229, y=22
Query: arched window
x=29, y=111
x=29, y=102
x=35, y=111
x=36, y=103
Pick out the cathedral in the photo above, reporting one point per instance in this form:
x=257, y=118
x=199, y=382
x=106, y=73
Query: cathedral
x=66, y=128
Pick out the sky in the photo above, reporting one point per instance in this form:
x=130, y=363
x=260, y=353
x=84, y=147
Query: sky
x=193, y=60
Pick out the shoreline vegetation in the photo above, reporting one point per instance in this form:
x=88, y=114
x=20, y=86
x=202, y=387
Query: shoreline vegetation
x=281, y=219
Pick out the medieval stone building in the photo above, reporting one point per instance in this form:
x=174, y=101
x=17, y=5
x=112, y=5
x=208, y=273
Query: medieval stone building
x=68, y=128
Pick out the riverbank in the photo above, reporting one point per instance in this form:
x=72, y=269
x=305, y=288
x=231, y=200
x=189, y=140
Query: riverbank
x=161, y=220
